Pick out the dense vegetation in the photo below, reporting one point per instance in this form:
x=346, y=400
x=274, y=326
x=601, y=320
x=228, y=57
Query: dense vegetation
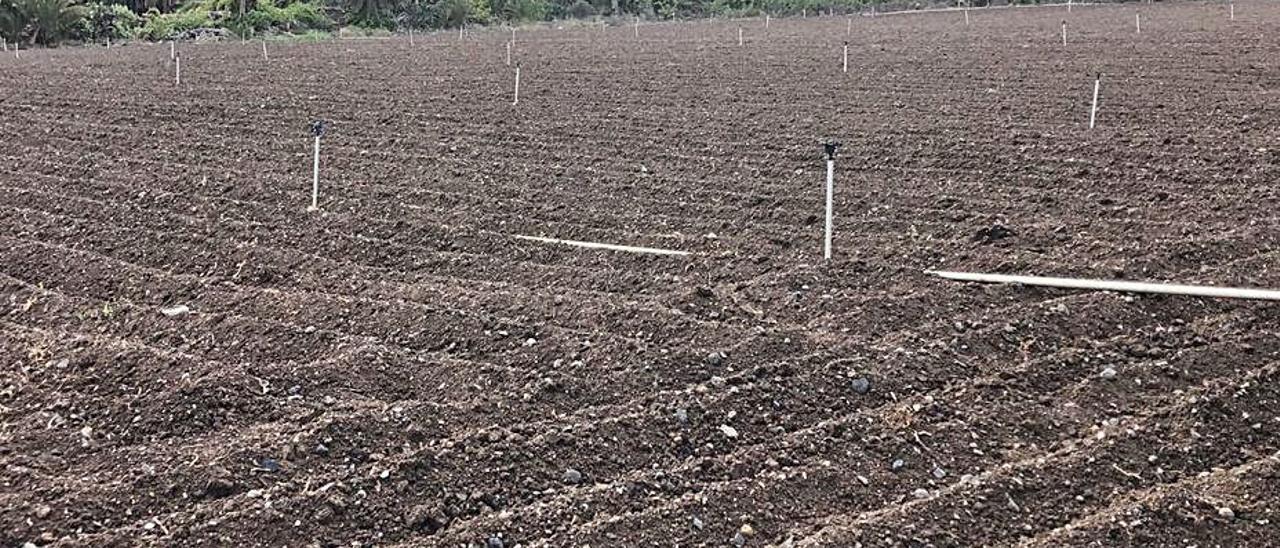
x=49, y=22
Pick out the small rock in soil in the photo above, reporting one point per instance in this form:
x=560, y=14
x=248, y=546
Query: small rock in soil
x=173, y=311
x=422, y=518
x=939, y=473
x=495, y=542
x=747, y=530
x=1226, y=512
x=43, y=511
x=861, y=385
x=729, y=431
x=218, y=488
x=1108, y=373
x=898, y=464
x=320, y=449
x=992, y=233
x=697, y=523
x=572, y=477
x=714, y=359
x=921, y=493
x=682, y=416
x=739, y=540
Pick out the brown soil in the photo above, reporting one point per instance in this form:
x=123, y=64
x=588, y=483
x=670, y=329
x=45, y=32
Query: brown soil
x=398, y=370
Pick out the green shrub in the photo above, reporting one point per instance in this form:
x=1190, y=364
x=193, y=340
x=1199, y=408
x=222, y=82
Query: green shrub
x=115, y=21
x=161, y=26
x=298, y=16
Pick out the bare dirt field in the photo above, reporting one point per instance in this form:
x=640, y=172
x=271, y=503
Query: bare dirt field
x=397, y=369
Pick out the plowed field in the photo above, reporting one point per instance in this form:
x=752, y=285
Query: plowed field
x=188, y=356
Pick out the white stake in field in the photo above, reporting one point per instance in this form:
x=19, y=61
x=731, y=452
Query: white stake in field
x=848, y=27
x=264, y=51
x=508, y=54
x=1093, y=112
x=1064, y=33
x=410, y=36
x=173, y=51
x=637, y=27
x=1137, y=22
x=846, y=56
x=1233, y=11
x=177, y=70
x=317, y=129
x=766, y=21
x=739, y=36
x=966, y=16
x=516, y=101
x=830, y=149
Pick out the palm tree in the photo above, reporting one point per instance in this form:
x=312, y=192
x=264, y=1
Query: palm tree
x=50, y=20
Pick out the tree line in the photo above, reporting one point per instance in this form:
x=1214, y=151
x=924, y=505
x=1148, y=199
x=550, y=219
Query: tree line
x=51, y=22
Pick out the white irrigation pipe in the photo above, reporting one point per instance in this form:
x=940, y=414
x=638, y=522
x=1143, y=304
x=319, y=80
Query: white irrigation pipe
x=637, y=27
x=739, y=36
x=831, y=171
x=1064, y=33
x=264, y=51
x=1093, y=112
x=766, y=21
x=1114, y=285
x=177, y=70
x=508, y=54
x=410, y=37
x=848, y=27
x=846, y=56
x=516, y=101
x=1137, y=22
x=315, y=178
x=173, y=51
x=1233, y=11
x=597, y=245
x=966, y=16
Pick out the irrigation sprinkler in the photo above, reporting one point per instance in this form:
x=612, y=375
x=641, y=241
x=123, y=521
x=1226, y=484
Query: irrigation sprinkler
x=173, y=51
x=1093, y=112
x=829, y=148
x=637, y=27
x=516, y=101
x=739, y=36
x=508, y=54
x=264, y=51
x=846, y=56
x=966, y=16
x=177, y=70
x=1114, y=285
x=848, y=27
x=317, y=130
x=766, y=21
x=1068, y=6
x=1137, y=22
x=1064, y=33
x=1233, y=11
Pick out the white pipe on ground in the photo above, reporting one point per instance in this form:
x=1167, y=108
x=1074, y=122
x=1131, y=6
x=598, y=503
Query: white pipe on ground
x=597, y=245
x=1114, y=285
